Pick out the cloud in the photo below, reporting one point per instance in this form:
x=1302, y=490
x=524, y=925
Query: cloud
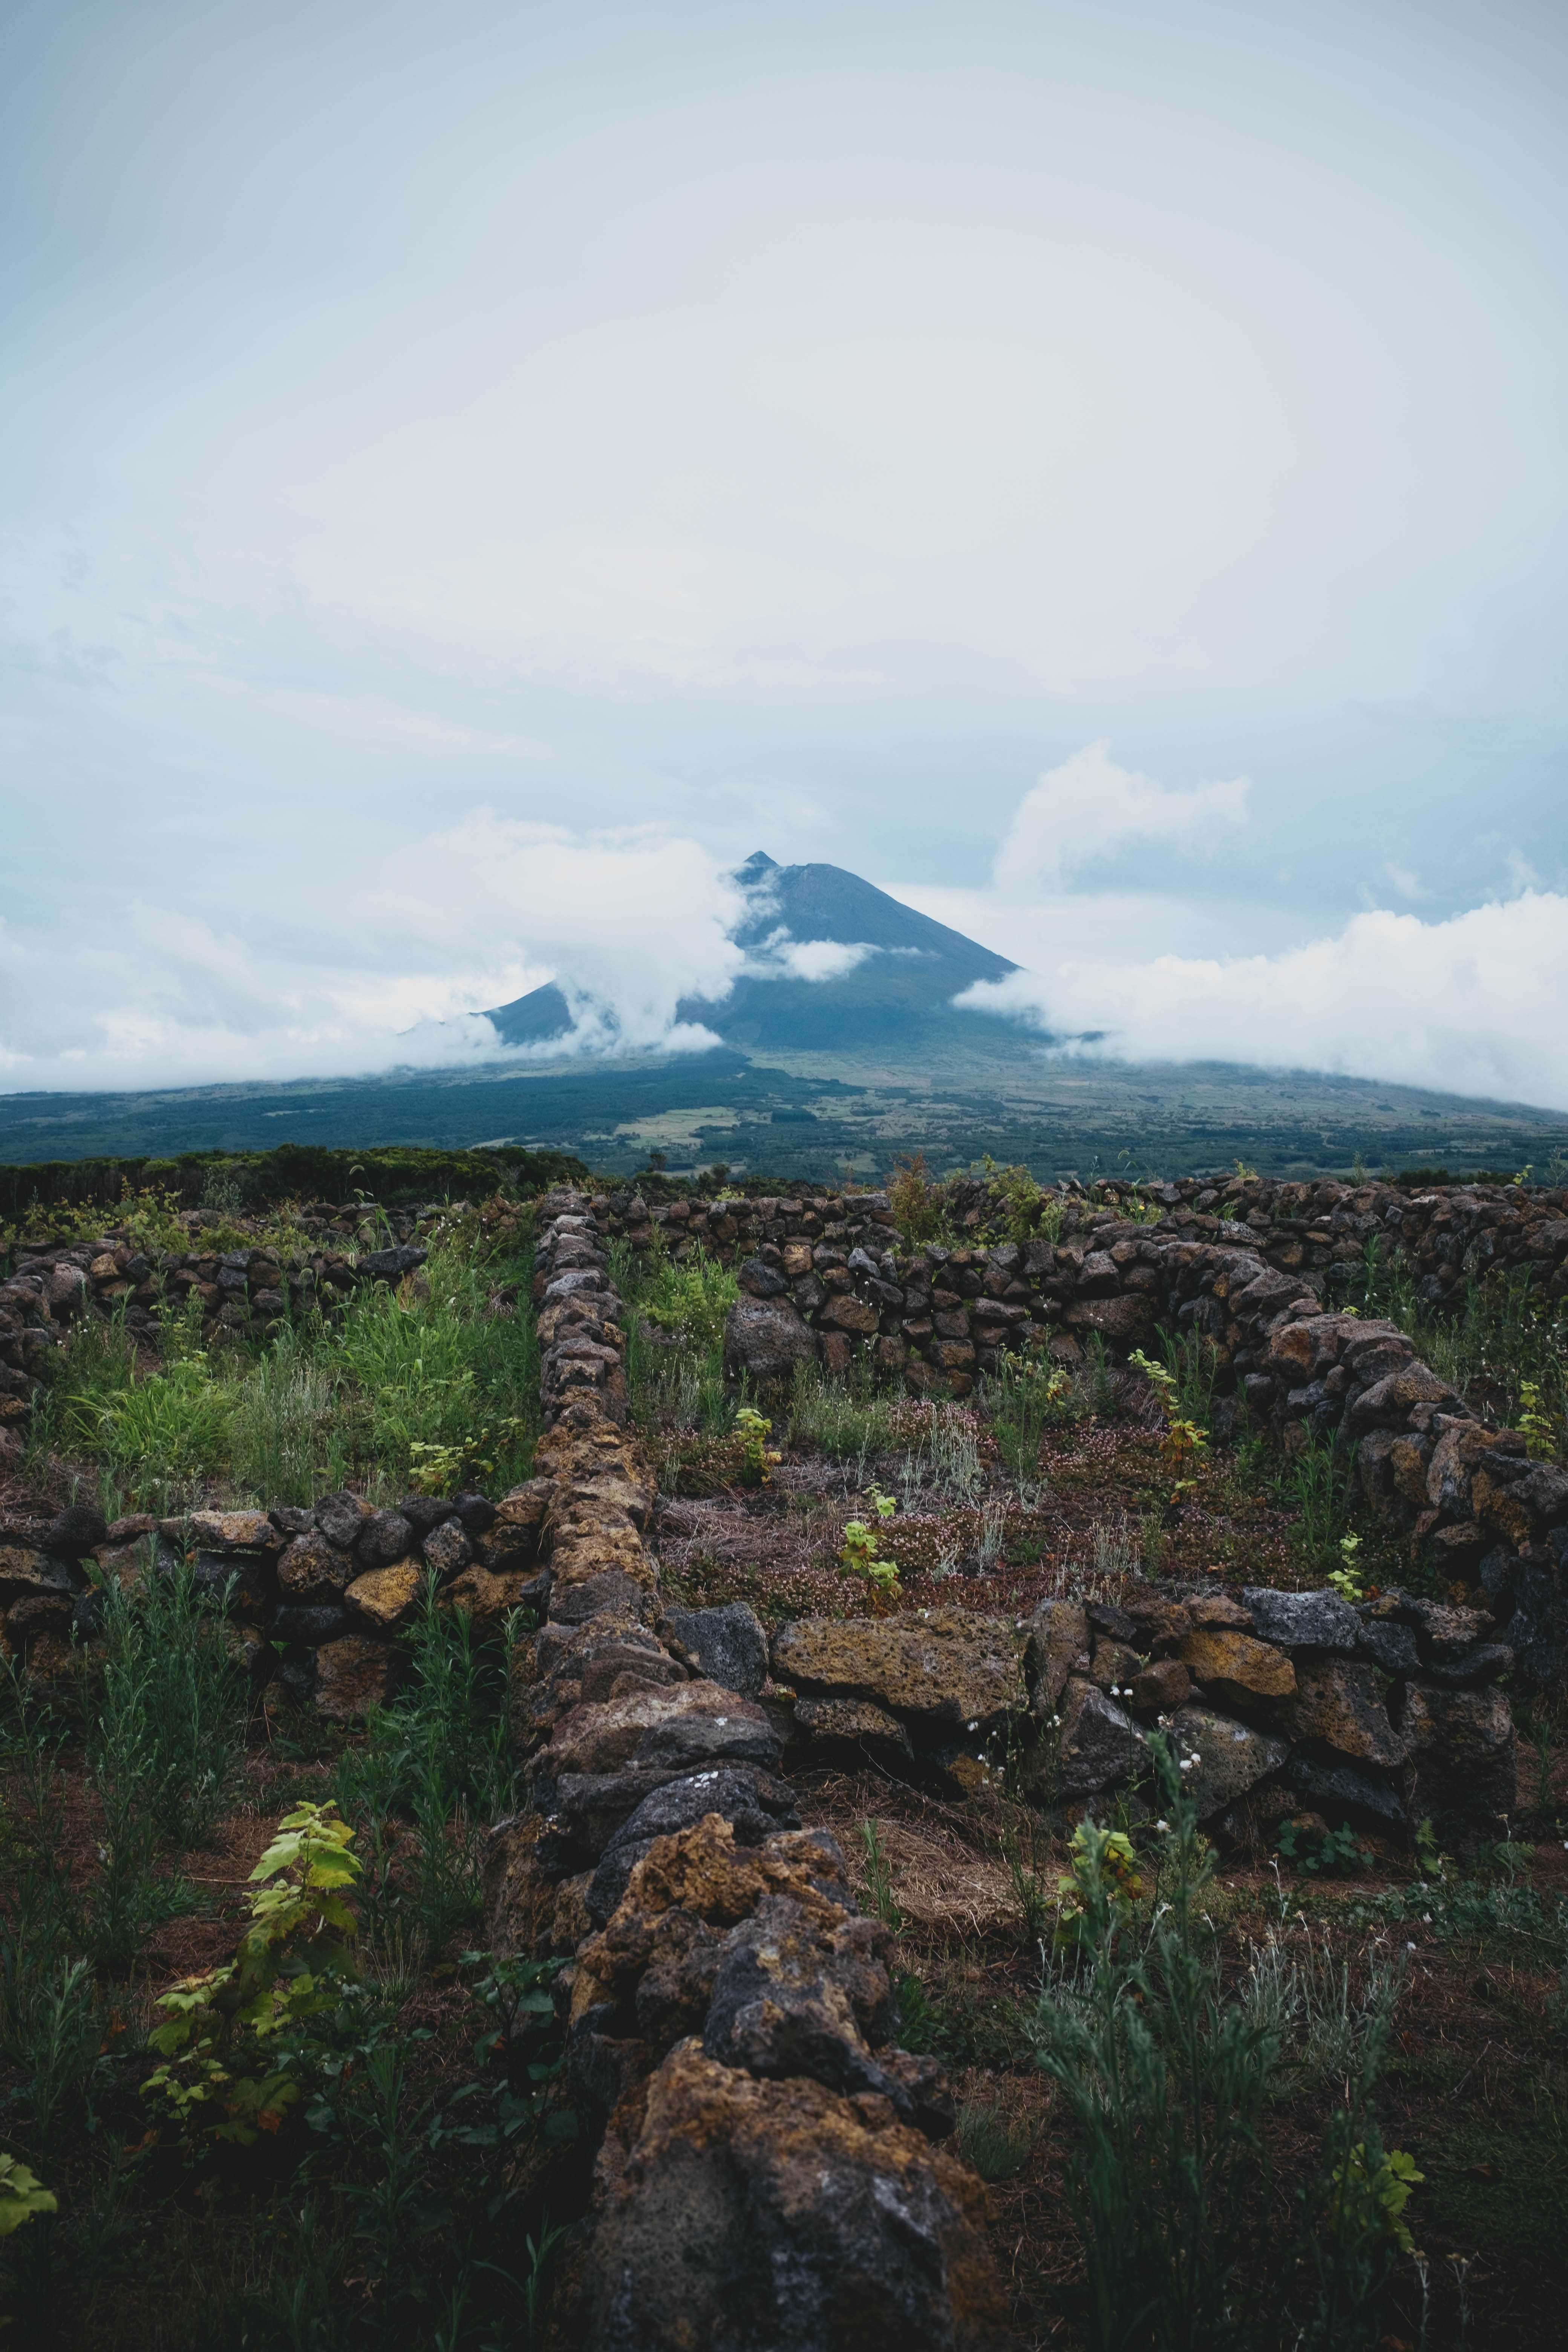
x=780, y=955
x=389, y=966
x=1469, y=1005
x=1087, y=809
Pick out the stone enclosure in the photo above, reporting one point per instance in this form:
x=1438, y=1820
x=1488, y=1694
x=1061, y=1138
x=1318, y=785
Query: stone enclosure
x=768, y=2152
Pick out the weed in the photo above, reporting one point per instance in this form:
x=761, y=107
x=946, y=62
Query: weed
x=1024, y=1842
x=1330, y=1852
x=987, y=2141
x=285, y=1443
x=1193, y=1361
x=1101, y=1383
x=168, y=1654
x=880, y=1878
x=395, y=2210
x=159, y=1434
x=859, y=1554
x=1115, y=1551
x=1319, y=1484
x=129, y=1751
x=919, y=1207
x=1305, y=1994
x=50, y=2029
x=844, y=1418
x=1028, y=1394
x=954, y=1456
x=1166, y=2079
x=438, y=1759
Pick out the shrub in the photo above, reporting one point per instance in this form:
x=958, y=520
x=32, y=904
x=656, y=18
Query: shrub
x=1028, y=1394
x=177, y=1692
x=231, y=2039
x=859, y=1554
x=1165, y=2080
x=919, y=1207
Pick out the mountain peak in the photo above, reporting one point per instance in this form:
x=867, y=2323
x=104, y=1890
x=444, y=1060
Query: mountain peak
x=896, y=993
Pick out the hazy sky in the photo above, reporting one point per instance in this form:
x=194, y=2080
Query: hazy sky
x=471, y=473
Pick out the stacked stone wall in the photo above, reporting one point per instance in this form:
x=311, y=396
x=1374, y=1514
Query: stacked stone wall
x=826, y=1276
x=772, y=2166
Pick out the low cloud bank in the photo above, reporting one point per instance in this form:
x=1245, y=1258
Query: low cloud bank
x=369, y=964
x=1471, y=1005
x=391, y=965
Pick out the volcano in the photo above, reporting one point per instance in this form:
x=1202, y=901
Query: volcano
x=895, y=995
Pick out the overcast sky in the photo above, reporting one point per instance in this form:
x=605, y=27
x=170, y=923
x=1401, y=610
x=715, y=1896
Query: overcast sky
x=472, y=473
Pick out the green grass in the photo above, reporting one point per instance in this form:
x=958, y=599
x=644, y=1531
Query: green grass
x=846, y=1418
x=1503, y=1335
x=323, y=1403
x=1506, y=2189
x=677, y=1380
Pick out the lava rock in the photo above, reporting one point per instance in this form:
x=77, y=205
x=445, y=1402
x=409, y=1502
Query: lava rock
x=1232, y=1757
x=1302, y=1621
x=787, y=2215
x=763, y=1341
x=79, y=1528
x=1099, y=1743
x=728, y=1644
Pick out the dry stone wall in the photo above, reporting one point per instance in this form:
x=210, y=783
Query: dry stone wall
x=826, y=1276
x=1282, y=1703
x=772, y=2167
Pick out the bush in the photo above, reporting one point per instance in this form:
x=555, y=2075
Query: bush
x=1166, y=2079
x=1028, y=1394
x=919, y=1207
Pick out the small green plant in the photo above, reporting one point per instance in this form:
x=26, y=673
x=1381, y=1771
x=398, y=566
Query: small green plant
x=880, y=1878
x=1346, y=1577
x=1381, y=2181
x=1184, y=1441
x=754, y=1430
x=22, y=2194
x=229, y=2038
x=1535, y=1423
x=989, y=2143
x=1101, y=1865
x=1329, y=1852
x=859, y=1554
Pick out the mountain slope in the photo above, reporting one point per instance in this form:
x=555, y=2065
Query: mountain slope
x=902, y=985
